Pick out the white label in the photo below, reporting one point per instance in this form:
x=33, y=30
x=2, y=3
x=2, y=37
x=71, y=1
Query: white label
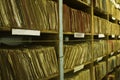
x=118, y=36
x=78, y=68
x=112, y=53
x=99, y=59
x=101, y=35
x=66, y=38
x=113, y=36
x=117, y=6
x=119, y=22
x=113, y=1
x=113, y=18
x=118, y=50
x=25, y=32
x=79, y=35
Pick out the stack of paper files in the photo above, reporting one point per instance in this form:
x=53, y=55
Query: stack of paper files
x=112, y=63
x=99, y=48
x=100, y=70
x=103, y=26
x=101, y=5
x=118, y=59
x=28, y=63
x=77, y=54
x=75, y=20
x=31, y=14
x=83, y=75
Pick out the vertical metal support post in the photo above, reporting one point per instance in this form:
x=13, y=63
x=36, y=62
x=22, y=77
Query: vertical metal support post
x=61, y=68
x=92, y=40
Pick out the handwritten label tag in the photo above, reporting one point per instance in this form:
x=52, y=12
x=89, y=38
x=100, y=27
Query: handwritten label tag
x=101, y=35
x=99, y=59
x=25, y=32
x=79, y=35
x=112, y=53
x=113, y=36
x=78, y=68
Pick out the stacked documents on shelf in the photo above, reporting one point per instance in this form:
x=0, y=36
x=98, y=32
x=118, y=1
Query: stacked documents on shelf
x=28, y=63
x=100, y=25
x=83, y=75
x=100, y=70
x=111, y=63
x=113, y=45
x=117, y=45
x=118, y=60
x=118, y=14
x=75, y=20
x=105, y=27
x=101, y=5
x=114, y=9
x=75, y=55
x=115, y=29
x=117, y=74
x=99, y=48
x=30, y=14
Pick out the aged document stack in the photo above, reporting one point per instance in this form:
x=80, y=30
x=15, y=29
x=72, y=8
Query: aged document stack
x=75, y=55
x=29, y=14
x=28, y=63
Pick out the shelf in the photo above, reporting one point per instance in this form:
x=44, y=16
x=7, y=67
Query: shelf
x=110, y=16
x=118, y=37
x=49, y=32
x=72, y=70
x=76, y=36
x=100, y=36
x=112, y=54
x=82, y=3
x=76, y=41
x=100, y=13
x=99, y=59
x=52, y=76
x=112, y=37
x=112, y=19
x=117, y=66
x=4, y=28
x=8, y=32
x=72, y=33
x=118, y=22
x=77, y=4
x=77, y=9
x=110, y=71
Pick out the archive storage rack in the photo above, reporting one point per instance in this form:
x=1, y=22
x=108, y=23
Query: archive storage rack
x=101, y=33
x=30, y=41
x=59, y=40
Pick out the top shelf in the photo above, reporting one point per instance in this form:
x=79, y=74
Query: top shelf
x=78, y=4
x=83, y=3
